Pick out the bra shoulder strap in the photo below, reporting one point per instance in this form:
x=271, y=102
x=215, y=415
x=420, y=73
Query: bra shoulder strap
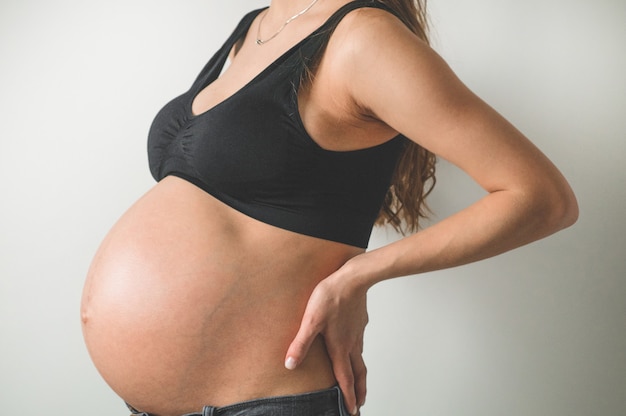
x=336, y=17
x=313, y=49
x=219, y=58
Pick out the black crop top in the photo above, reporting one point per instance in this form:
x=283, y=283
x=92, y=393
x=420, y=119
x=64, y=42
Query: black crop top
x=252, y=152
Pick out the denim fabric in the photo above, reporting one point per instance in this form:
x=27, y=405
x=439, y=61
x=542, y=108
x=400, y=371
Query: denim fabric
x=320, y=403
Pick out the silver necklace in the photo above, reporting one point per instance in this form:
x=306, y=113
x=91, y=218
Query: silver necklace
x=260, y=41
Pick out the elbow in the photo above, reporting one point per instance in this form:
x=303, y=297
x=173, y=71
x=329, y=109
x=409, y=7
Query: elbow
x=559, y=207
x=570, y=213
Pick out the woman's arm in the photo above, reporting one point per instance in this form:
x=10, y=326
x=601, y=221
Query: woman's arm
x=394, y=77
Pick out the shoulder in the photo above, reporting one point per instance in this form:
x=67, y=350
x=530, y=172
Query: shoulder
x=372, y=49
x=389, y=74
x=368, y=28
x=370, y=39
x=370, y=14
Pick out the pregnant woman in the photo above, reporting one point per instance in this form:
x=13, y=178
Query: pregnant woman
x=237, y=284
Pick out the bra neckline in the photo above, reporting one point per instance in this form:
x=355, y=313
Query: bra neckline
x=219, y=65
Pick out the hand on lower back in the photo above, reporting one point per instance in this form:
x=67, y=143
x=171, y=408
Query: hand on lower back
x=339, y=314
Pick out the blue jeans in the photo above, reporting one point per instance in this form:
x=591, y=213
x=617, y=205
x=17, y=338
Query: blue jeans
x=320, y=403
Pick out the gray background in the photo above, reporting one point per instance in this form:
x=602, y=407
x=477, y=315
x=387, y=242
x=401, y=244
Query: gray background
x=539, y=331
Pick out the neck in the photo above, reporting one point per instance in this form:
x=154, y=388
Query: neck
x=277, y=8
x=287, y=8
x=309, y=13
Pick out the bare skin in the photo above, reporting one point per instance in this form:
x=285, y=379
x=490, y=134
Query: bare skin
x=189, y=302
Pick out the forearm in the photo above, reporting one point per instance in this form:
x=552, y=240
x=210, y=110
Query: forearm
x=499, y=222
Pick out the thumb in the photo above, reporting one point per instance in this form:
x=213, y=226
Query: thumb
x=299, y=347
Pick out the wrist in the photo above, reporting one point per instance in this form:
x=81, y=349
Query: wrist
x=364, y=271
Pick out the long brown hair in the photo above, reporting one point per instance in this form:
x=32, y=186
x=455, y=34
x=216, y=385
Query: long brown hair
x=414, y=177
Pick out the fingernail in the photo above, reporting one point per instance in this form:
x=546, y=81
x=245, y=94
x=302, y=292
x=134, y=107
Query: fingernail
x=355, y=411
x=290, y=363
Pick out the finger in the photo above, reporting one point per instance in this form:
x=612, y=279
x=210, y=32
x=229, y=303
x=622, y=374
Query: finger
x=342, y=368
x=299, y=347
x=360, y=378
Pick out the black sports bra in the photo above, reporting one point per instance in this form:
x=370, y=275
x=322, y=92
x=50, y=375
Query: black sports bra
x=252, y=152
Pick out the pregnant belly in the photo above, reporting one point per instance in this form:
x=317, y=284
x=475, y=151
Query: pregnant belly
x=189, y=303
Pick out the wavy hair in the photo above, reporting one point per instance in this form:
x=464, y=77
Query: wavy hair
x=414, y=177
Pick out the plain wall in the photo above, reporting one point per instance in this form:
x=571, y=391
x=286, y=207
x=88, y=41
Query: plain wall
x=538, y=331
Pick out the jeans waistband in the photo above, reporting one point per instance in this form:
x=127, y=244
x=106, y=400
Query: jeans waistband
x=327, y=402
